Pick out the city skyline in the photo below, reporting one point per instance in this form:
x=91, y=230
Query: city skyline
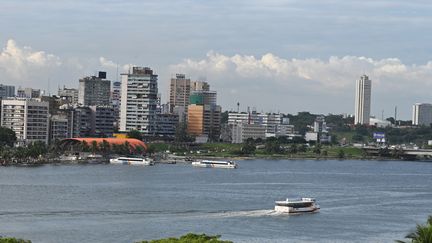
x=294, y=56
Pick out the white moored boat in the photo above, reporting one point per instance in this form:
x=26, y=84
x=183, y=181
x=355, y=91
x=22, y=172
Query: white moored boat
x=303, y=205
x=215, y=164
x=131, y=161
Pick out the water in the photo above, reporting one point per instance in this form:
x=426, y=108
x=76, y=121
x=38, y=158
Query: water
x=361, y=201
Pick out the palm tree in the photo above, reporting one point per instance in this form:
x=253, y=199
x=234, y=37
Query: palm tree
x=422, y=234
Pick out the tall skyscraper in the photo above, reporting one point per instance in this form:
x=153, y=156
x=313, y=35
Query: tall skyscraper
x=94, y=90
x=204, y=115
x=138, y=106
x=180, y=88
x=363, y=100
x=422, y=114
x=7, y=91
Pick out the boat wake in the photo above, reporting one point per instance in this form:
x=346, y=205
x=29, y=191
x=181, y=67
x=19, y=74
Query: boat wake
x=249, y=213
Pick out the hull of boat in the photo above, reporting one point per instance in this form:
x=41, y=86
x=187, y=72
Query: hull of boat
x=284, y=209
x=197, y=164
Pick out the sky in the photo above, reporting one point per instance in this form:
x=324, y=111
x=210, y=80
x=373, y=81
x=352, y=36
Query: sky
x=273, y=55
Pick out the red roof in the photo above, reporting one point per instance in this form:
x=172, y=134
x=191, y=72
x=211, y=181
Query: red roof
x=118, y=141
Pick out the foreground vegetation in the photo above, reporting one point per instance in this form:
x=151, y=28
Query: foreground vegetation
x=191, y=238
x=13, y=240
x=422, y=233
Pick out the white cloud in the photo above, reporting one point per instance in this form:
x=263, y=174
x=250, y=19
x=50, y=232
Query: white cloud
x=273, y=82
x=335, y=74
x=19, y=63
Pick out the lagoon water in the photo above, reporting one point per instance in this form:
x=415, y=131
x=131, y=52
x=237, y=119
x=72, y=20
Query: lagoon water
x=361, y=201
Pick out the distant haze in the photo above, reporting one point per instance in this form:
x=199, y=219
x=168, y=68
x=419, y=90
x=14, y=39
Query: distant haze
x=286, y=56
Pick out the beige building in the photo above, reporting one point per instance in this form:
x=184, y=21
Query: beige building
x=204, y=120
x=180, y=88
x=28, y=118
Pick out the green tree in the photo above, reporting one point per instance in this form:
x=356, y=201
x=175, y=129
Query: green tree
x=422, y=234
x=248, y=147
x=151, y=149
x=302, y=148
x=317, y=149
x=135, y=134
x=293, y=149
x=7, y=137
x=13, y=240
x=105, y=147
x=191, y=238
x=181, y=134
x=85, y=147
x=36, y=149
x=341, y=154
x=272, y=146
x=94, y=147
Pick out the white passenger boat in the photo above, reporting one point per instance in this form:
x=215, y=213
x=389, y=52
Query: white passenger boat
x=215, y=164
x=131, y=161
x=303, y=205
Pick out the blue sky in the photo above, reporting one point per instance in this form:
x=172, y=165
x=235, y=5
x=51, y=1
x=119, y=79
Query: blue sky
x=286, y=56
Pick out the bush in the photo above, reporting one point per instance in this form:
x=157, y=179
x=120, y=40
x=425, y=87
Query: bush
x=190, y=238
x=13, y=240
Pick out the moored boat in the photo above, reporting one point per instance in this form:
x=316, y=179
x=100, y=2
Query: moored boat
x=303, y=205
x=215, y=164
x=132, y=161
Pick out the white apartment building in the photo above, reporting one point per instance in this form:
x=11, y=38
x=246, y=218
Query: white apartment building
x=422, y=114
x=363, y=100
x=139, y=97
x=242, y=131
x=28, y=118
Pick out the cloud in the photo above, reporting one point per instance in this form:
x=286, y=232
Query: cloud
x=20, y=62
x=328, y=85
x=336, y=74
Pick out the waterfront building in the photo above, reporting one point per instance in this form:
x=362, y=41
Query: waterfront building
x=68, y=95
x=422, y=114
x=28, y=118
x=166, y=124
x=138, y=106
x=116, y=99
x=7, y=91
x=268, y=120
x=180, y=88
x=94, y=90
x=363, y=100
x=242, y=131
x=79, y=120
x=58, y=128
x=102, y=121
x=28, y=93
x=204, y=120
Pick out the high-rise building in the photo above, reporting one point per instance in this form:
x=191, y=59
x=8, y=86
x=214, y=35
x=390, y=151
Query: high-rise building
x=422, y=114
x=363, y=100
x=180, y=88
x=204, y=115
x=116, y=99
x=28, y=93
x=94, y=90
x=28, y=118
x=68, y=95
x=7, y=91
x=102, y=121
x=58, y=128
x=200, y=85
x=139, y=92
